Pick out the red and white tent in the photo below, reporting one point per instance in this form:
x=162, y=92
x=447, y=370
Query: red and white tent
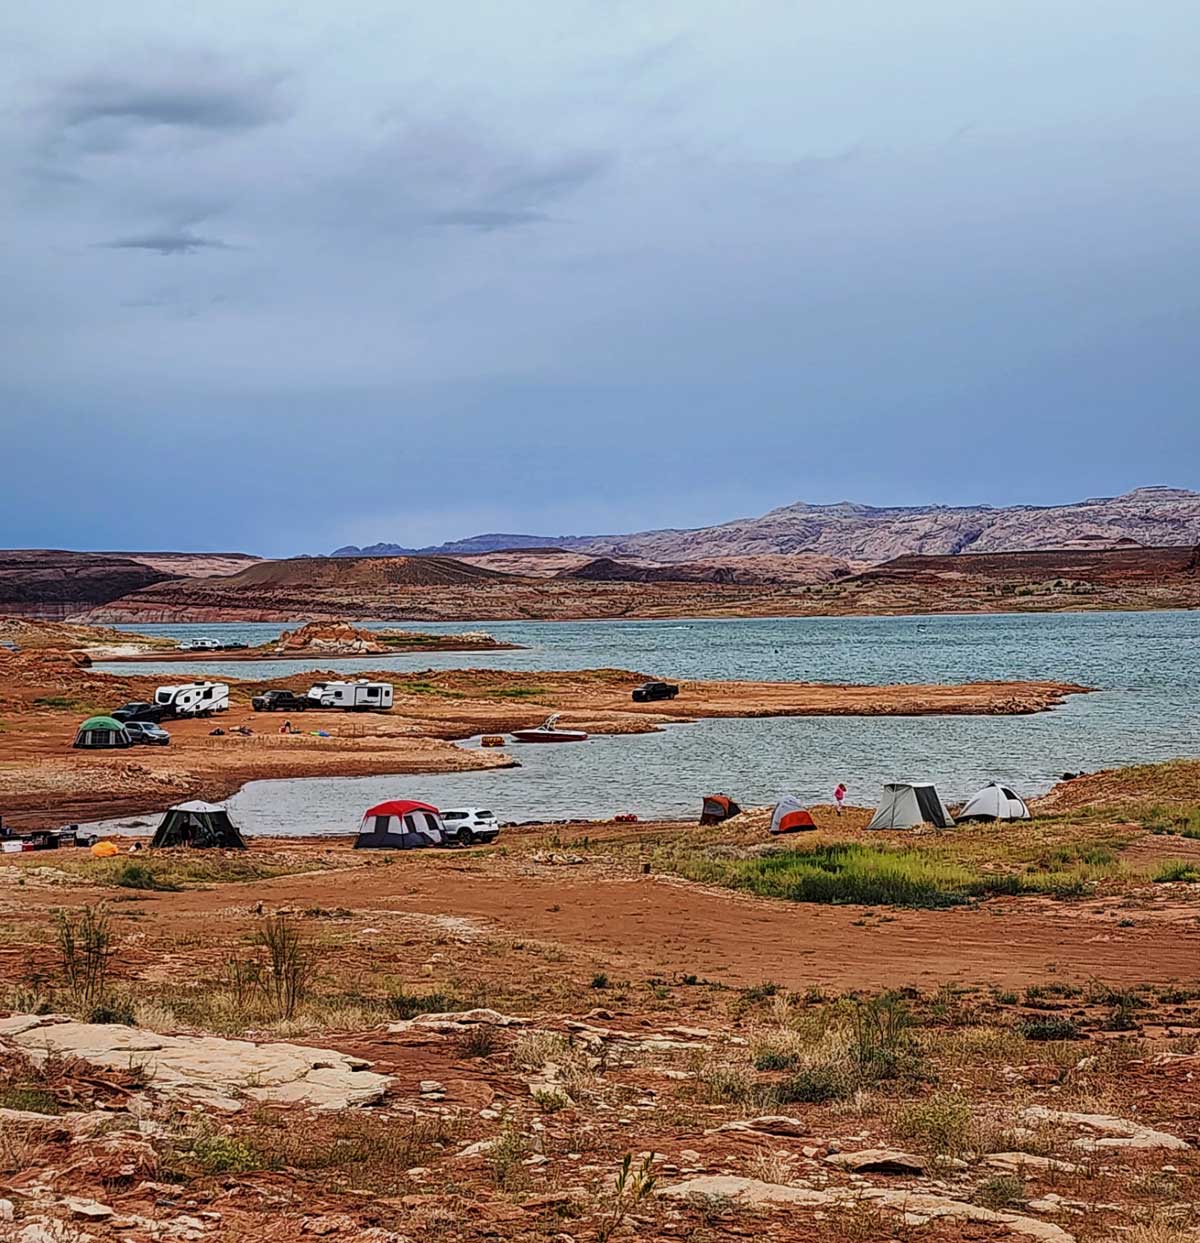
x=791, y=816
x=399, y=824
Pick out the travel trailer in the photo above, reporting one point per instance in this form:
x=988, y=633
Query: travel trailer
x=193, y=698
x=201, y=644
x=361, y=696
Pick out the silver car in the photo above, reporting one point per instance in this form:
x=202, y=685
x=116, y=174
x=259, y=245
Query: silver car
x=147, y=733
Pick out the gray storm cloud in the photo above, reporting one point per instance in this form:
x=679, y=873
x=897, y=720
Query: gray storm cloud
x=177, y=243
x=673, y=262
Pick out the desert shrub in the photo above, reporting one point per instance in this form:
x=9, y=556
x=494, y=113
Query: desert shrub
x=1003, y=1191
x=776, y=1059
x=506, y=1156
x=1122, y=1017
x=84, y=948
x=117, y=1010
x=480, y=1041
x=632, y=1187
x=132, y=875
x=224, y=1154
x=600, y=980
x=940, y=1124
x=815, y=1085
x=291, y=964
x=408, y=1005
x=551, y=1100
x=1049, y=1027
x=724, y=1083
x=881, y=1042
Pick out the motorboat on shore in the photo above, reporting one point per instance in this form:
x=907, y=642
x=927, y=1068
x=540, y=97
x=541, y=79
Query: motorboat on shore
x=548, y=731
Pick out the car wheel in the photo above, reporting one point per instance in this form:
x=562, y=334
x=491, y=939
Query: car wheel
x=465, y=837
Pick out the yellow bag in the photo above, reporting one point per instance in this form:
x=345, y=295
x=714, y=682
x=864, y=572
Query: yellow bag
x=105, y=850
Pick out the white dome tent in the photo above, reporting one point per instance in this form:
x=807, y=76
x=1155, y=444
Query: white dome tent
x=995, y=802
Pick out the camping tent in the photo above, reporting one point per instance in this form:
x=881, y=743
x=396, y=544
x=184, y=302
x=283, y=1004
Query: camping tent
x=904, y=806
x=399, y=825
x=198, y=824
x=102, y=731
x=791, y=816
x=995, y=802
x=718, y=807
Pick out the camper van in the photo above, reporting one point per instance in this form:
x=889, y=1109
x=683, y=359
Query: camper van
x=201, y=644
x=361, y=696
x=193, y=698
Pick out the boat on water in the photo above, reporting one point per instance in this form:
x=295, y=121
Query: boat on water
x=548, y=731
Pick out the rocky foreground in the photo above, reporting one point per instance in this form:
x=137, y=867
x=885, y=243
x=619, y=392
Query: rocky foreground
x=550, y=1039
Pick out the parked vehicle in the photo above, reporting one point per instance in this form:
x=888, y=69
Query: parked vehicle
x=193, y=698
x=361, y=696
x=147, y=732
x=650, y=691
x=280, y=701
x=201, y=644
x=464, y=826
x=139, y=712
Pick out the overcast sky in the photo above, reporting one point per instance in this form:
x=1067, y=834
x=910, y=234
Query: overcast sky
x=279, y=277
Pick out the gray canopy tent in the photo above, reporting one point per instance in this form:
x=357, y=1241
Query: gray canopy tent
x=203, y=825
x=905, y=805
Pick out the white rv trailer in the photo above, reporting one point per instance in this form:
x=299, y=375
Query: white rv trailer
x=193, y=698
x=360, y=696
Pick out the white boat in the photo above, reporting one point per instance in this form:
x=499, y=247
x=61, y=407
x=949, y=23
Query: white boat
x=548, y=731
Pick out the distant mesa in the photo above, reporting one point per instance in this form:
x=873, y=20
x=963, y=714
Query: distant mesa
x=863, y=535
x=455, y=548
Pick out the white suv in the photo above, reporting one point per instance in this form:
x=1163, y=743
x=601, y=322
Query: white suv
x=464, y=826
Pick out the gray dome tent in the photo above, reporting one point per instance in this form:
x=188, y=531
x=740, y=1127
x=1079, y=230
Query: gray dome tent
x=101, y=731
x=198, y=824
x=904, y=806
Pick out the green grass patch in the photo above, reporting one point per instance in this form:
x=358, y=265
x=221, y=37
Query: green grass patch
x=58, y=701
x=518, y=692
x=427, y=688
x=171, y=870
x=28, y=1098
x=133, y=875
x=1179, y=870
x=908, y=876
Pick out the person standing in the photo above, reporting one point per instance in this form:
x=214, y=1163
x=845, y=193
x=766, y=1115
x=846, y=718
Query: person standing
x=839, y=796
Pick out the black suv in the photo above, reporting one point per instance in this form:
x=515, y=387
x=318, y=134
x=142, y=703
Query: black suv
x=649, y=691
x=141, y=712
x=279, y=701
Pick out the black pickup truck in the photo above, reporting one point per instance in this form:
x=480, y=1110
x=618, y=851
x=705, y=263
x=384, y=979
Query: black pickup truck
x=650, y=691
x=279, y=701
x=155, y=713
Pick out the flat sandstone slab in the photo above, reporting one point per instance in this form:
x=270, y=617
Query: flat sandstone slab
x=208, y=1069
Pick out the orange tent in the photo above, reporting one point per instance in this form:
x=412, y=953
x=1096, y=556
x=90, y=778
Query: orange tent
x=718, y=807
x=105, y=850
x=791, y=816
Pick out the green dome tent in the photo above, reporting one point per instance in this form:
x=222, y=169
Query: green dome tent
x=198, y=824
x=102, y=731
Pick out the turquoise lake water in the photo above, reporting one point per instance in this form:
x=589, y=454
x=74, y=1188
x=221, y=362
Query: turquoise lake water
x=1145, y=709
